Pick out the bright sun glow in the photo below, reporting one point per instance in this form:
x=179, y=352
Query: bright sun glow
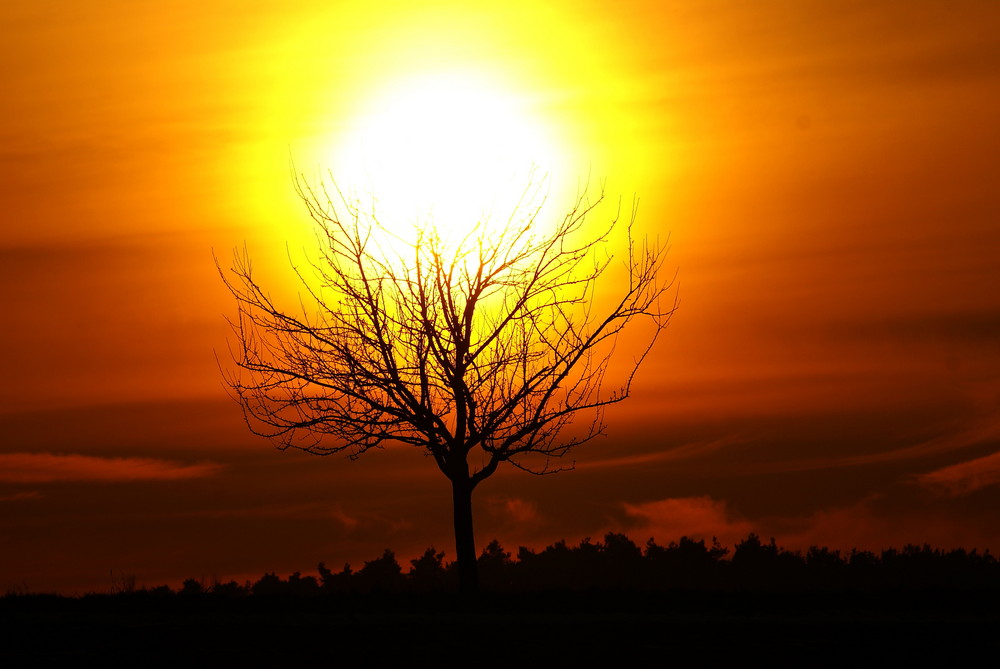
x=451, y=149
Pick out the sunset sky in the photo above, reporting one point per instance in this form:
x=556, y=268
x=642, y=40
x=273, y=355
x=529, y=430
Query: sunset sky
x=828, y=174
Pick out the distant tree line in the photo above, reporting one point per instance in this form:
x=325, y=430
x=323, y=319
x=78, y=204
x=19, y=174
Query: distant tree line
x=618, y=564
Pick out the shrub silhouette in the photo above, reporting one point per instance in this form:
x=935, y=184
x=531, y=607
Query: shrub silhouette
x=191, y=587
x=759, y=565
x=495, y=568
x=269, y=585
x=618, y=564
x=427, y=572
x=380, y=574
x=230, y=589
x=339, y=582
x=684, y=564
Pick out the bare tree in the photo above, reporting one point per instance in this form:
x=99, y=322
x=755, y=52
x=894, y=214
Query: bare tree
x=477, y=351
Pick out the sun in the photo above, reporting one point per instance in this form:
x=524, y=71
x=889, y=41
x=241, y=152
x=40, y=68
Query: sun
x=451, y=149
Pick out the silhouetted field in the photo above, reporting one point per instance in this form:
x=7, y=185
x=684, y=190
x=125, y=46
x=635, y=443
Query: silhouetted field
x=609, y=600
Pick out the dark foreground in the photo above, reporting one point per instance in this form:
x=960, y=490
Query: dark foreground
x=517, y=630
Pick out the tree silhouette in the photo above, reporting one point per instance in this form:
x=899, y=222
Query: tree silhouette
x=478, y=351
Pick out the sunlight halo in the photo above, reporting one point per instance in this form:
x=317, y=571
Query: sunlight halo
x=451, y=149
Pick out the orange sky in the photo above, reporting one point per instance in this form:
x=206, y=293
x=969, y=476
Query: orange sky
x=827, y=171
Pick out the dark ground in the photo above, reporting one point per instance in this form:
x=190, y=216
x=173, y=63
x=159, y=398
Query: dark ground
x=515, y=630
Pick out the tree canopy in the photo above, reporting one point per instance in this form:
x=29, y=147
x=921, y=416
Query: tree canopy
x=491, y=343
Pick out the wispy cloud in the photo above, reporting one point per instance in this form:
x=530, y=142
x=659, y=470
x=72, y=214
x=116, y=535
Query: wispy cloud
x=682, y=452
x=18, y=496
x=985, y=432
x=965, y=477
x=51, y=467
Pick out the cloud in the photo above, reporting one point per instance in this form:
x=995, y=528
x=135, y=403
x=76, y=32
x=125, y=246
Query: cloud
x=694, y=517
x=513, y=510
x=964, y=477
x=873, y=524
x=857, y=525
x=348, y=521
x=50, y=468
x=865, y=525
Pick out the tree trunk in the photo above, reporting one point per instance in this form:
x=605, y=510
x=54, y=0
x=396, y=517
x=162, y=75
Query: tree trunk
x=465, y=543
